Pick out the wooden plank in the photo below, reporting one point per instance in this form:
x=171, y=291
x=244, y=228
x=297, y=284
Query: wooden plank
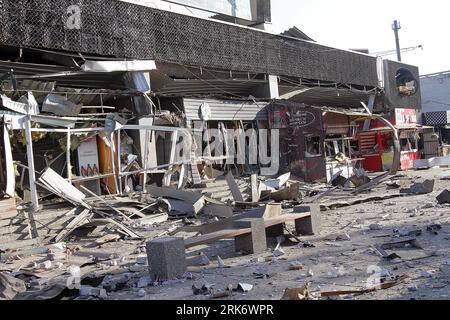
x=216, y=236
x=234, y=188
x=128, y=231
x=232, y=233
x=373, y=183
x=381, y=286
x=73, y=225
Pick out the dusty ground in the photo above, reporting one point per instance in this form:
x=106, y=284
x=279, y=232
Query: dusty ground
x=340, y=265
x=329, y=265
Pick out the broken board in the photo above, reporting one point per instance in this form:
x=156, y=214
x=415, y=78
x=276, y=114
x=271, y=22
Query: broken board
x=194, y=199
x=234, y=188
x=232, y=233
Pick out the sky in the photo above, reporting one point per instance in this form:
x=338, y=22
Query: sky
x=366, y=24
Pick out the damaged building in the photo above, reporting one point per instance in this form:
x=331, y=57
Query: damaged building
x=97, y=96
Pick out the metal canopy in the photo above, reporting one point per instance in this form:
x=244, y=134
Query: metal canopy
x=226, y=110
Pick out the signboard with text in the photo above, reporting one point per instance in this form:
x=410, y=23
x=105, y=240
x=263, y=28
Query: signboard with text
x=405, y=117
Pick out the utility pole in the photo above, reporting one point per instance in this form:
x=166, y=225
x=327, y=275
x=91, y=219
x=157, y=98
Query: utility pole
x=396, y=27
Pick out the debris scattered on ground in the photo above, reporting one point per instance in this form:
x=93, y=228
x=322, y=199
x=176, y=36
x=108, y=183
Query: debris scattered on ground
x=86, y=291
x=301, y=293
x=443, y=197
x=202, y=289
x=413, y=288
x=343, y=237
x=382, y=286
x=434, y=228
x=10, y=286
x=420, y=188
x=220, y=262
x=295, y=266
x=245, y=287
x=375, y=227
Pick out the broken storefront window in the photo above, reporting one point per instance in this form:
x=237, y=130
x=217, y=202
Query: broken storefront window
x=313, y=146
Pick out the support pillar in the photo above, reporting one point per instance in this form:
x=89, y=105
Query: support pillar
x=32, y=179
x=256, y=241
x=310, y=225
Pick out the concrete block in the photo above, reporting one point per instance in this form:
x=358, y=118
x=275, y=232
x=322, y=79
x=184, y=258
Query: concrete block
x=166, y=257
x=444, y=197
x=420, y=188
x=254, y=243
x=309, y=225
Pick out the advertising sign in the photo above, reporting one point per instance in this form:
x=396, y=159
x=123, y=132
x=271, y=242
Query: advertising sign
x=405, y=117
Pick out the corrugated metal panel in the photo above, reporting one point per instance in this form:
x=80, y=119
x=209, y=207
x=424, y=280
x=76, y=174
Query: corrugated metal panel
x=322, y=96
x=226, y=110
x=64, y=76
x=195, y=88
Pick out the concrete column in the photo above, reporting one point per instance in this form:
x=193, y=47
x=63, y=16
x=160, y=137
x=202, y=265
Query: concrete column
x=256, y=241
x=31, y=168
x=310, y=225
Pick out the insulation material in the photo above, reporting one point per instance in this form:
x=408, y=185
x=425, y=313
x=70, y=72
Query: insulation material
x=224, y=110
x=60, y=106
x=118, y=66
x=18, y=107
x=30, y=101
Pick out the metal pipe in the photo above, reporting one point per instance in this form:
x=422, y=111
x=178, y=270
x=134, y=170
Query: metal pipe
x=69, y=166
x=119, y=141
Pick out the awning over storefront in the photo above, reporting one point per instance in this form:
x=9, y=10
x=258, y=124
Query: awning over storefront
x=225, y=110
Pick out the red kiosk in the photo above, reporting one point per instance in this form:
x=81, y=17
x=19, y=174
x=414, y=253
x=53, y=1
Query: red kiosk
x=376, y=146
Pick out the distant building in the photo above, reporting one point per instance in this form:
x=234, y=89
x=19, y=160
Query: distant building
x=435, y=92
